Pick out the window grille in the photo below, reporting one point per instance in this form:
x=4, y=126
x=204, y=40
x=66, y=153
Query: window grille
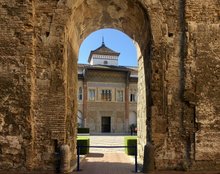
x=106, y=95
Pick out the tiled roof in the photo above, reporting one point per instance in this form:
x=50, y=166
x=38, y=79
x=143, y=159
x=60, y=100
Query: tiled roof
x=103, y=50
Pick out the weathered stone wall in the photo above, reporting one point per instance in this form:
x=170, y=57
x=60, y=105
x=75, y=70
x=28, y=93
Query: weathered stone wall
x=165, y=108
x=179, y=77
x=202, y=80
x=184, y=86
x=55, y=100
x=141, y=112
x=16, y=84
x=161, y=73
x=36, y=84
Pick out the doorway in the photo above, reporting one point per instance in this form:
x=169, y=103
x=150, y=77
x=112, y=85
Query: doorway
x=106, y=124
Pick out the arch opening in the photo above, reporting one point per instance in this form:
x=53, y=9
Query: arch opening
x=110, y=88
x=122, y=16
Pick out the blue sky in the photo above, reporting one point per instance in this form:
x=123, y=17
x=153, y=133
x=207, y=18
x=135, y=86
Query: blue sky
x=115, y=40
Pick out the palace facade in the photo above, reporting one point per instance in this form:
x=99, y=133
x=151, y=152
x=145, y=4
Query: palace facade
x=107, y=93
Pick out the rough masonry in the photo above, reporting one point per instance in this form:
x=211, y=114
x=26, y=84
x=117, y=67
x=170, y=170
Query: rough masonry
x=178, y=107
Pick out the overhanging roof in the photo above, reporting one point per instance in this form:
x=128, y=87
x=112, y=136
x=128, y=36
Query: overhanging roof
x=103, y=50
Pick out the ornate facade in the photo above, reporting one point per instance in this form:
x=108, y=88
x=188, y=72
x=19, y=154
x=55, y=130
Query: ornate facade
x=107, y=93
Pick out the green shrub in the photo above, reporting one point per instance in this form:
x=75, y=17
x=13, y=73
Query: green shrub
x=83, y=141
x=130, y=141
x=83, y=130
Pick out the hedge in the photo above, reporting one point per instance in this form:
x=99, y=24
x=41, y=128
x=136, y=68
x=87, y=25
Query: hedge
x=83, y=141
x=130, y=141
x=83, y=130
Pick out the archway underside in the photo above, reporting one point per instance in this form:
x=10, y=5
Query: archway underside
x=128, y=17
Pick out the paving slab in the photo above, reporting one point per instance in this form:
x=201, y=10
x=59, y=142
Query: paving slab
x=106, y=163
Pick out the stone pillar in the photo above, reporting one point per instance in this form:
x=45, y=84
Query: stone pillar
x=148, y=158
x=65, y=158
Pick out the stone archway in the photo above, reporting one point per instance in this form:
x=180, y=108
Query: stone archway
x=130, y=17
x=39, y=76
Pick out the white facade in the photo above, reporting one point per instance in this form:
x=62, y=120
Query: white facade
x=104, y=60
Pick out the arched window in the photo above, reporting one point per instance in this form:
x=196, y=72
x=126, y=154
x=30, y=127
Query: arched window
x=80, y=95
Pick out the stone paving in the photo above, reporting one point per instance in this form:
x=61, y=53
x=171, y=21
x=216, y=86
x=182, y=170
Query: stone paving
x=107, y=140
x=107, y=160
x=106, y=163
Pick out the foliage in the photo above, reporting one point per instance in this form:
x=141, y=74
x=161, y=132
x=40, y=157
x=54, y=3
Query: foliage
x=83, y=141
x=83, y=130
x=130, y=141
